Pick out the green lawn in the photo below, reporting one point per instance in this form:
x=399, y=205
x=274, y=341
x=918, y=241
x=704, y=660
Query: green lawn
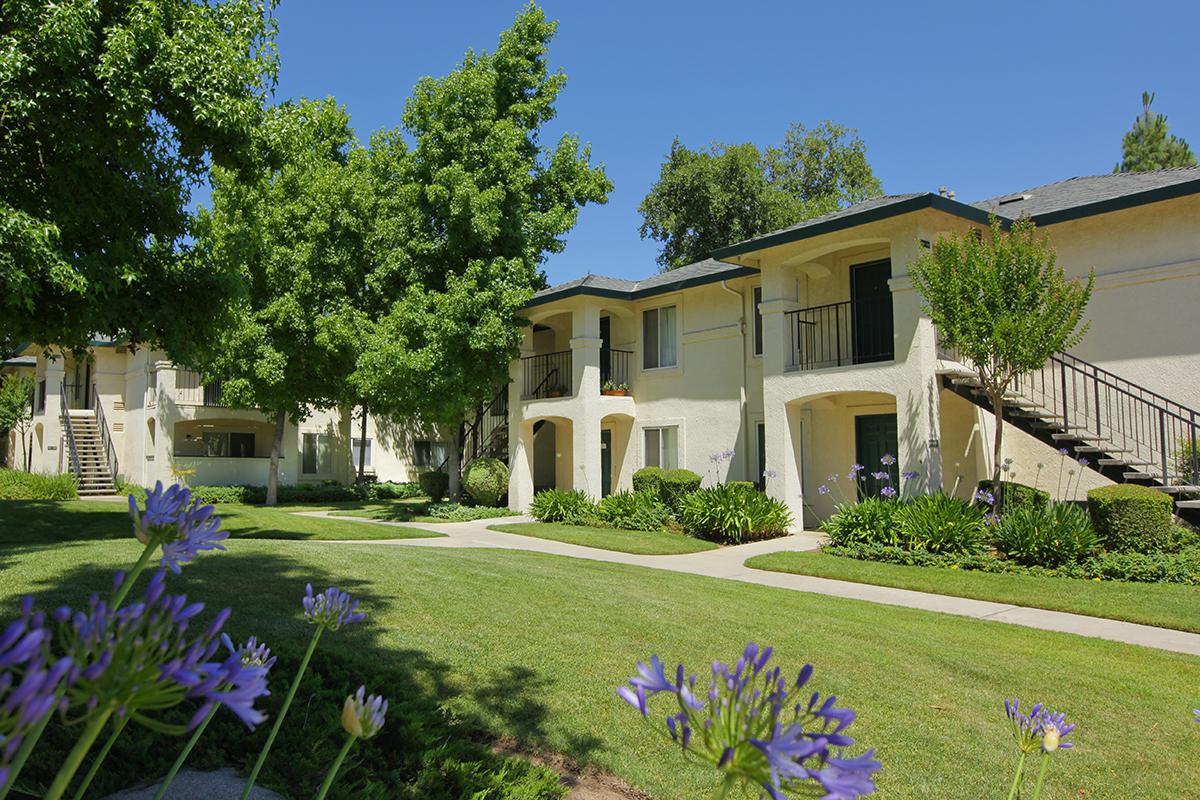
x=534, y=645
x=643, y=543
x=46, y=522
x=1164, y=605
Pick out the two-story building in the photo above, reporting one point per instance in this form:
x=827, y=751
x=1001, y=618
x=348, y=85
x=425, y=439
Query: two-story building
x=806, y=350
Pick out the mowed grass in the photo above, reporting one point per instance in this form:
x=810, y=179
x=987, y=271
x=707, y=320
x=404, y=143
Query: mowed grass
x=535, y=646
x=37, y=522
x=645, y=543
x=1165, y=605
x=408, y=510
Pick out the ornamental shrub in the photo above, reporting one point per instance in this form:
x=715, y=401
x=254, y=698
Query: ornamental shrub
x=1015, y=495
x=1130, y=517
x=743, y=484
x=456, y=512
x=435, y=483
x=635, y=511
x=486, y=480
x=1182, y=567
x=675, y=484
x=559, y=505
x=1046, y=536
x=941, y=524
x=18, y=485
x=733, y=514
x=647, y=479
x=871, y=521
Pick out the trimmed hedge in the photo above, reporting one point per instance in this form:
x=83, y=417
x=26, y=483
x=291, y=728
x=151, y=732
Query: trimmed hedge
x=434, y=484
x=326, y=492
x=486, y=480
x=671, y=485
x=1016, y=495
x=647, y=479
x=1131, y=518
x=18, y=485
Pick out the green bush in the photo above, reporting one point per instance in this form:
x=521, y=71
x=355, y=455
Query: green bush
x=871, y=521
x=1181, y=567
x=18, y=485
x=743, y=484
x=1129, y=517
x=559, y=505
x=635, y=511
x=325, y=492
x=676, y=484
x=1046, y=536
x=647, y=479
x=941, y=524
x=1013, y=496
x=1187, y=455
x=425, y=750
x=456, y=512
x=486, y=481
x=733, y=514
x=434, y=484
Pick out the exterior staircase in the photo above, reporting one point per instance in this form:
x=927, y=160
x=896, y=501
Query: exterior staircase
x=89, y=446
x=1126, y=432
x=486, y=434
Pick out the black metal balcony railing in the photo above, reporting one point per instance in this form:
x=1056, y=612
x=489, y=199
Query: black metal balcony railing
x=547, y=375
x=615, y=367
x=841, y=334
x=212, y=394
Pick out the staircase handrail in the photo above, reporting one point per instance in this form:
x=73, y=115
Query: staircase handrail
x=65, y=417
x=482, y=414
x=1135, y=390
x=110, y=450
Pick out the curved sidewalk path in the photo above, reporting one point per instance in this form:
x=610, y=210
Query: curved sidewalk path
x=729, y=563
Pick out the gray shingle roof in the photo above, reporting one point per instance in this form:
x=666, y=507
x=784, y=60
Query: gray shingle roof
x=1075, y=193
x=707, y=271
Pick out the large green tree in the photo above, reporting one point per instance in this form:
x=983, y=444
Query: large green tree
x=16, y=410
x=477, y=204
x=1003, y=303
x=1149, y=146
x=707, y=198
x=297, y=231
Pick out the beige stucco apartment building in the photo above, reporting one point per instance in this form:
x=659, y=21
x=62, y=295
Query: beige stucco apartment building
x=805, y=350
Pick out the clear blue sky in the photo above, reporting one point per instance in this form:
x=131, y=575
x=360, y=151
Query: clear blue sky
x=984, y=98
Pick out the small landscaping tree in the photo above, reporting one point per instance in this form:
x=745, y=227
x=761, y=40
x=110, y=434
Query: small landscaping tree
x=16, y=410
x=1003, y=303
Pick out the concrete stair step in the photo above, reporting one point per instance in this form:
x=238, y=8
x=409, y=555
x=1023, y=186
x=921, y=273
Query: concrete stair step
x=1188, y=503
x=1180, y=489
x=1097, y=448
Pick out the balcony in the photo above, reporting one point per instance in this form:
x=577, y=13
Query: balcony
x=546, y=375
x=616, y=367
x=840, y=334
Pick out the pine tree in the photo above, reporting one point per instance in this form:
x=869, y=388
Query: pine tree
x=1148, y=146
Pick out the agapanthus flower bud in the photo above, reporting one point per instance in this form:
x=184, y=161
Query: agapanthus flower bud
x=363, y=715
x=331, y=608
x=178, y=523
x=1050, y=738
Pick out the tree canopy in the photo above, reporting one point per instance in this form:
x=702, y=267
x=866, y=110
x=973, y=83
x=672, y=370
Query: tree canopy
x=1003, y=303
x=1149, y=146
x=109, y=114
x=475, y=205
x=707, y=198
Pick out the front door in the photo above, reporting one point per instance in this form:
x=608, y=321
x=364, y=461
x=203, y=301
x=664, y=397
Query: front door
x=871, y=311
x=875, y=438
x=605, y=463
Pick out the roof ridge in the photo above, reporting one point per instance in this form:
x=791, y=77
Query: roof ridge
x=1086, y=177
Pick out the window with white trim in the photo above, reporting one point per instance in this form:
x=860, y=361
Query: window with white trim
x=662, y=447
x=316, y=455
x=428, y=453
x=355, y=450
x=659, y=347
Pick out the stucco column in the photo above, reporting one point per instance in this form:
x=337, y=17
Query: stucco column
x=53, y=456
x=161, y=452
x=918, y=404
x=781, y=421
x=520, y=437
x=585, y=385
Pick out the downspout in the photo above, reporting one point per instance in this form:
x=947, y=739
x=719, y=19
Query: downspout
x=745, y=423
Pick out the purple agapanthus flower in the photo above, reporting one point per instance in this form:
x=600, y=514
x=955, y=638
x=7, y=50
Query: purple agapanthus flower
x=330, y=609
x=822, y=489
x=252, y=653
x=769, y=474
x=177, y=522
x=855, y=469
x=1041, y=728
x=1062, y=451
x=363, y=715
x=910, y=474
x=881, y=476
x=984, y=497
x=760, y=728
x=887, y=460
x=1083, y=461
x=887, y=491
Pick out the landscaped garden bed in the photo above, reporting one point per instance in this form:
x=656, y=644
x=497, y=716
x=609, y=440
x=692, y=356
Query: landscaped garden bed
x=646, y=543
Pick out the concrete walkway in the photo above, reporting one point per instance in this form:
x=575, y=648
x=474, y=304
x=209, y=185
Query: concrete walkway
x=729, y=563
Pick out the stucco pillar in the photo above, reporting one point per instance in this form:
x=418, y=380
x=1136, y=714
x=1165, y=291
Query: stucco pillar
x=520, y=437
x=53, y=457
x=781, y=421
x=161, y=451
x=918, y=429
x=585, y=384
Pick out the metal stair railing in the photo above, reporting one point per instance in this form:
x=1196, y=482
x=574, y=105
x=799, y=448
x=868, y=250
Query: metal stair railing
x=65, y=417
x=489, y=419
x=110, y=450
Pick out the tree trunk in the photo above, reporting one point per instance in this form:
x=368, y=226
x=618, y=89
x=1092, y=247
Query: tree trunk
x=276, y=452
x=362, y=445
x=997, y=450
x=454, y=464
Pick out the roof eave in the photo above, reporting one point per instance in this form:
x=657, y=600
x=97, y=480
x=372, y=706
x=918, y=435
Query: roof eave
x=739, y=271
x=1158, y=194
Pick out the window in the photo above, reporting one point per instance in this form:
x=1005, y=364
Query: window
x=757, y=321
x=41, y=396
x=221, y=444
x=662, y=447
x=316, y=455
x=658, y=338
x=429, y=454
x=355, y=450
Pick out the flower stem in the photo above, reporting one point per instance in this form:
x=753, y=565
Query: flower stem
x=1037, y=790
x=287, y=701
x=333, y=769
x=187, y=750
x=99, y=759
x=727, y=783
x=75, y=758
x=121, y=591
x=27, y=744
x=1016, y=784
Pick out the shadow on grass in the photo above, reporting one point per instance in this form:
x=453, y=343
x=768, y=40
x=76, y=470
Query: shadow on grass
x=424, y=751
x=34, y=522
